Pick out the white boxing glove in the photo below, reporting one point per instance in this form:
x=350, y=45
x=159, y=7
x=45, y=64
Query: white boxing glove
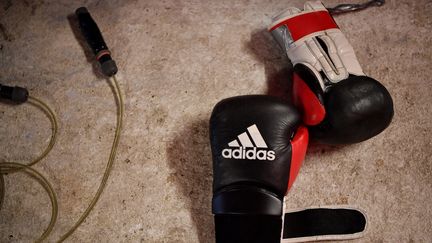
x=338, y=101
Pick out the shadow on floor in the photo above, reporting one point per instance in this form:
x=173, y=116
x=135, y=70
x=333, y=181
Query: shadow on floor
x=189, y=151
x=278, y=69
x=190, y=159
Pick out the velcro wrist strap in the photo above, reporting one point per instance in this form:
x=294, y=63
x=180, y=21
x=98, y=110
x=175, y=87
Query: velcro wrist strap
x=319, y=223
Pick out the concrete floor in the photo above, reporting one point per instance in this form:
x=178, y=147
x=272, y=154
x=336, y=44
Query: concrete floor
x=177, y=59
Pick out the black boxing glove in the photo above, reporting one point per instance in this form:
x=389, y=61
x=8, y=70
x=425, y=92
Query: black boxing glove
x=338, y=102
x=257, y=146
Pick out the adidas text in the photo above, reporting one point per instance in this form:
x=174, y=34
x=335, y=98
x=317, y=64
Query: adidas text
x=251, y=153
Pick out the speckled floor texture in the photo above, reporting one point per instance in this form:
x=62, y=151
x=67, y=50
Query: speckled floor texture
x=177, y=59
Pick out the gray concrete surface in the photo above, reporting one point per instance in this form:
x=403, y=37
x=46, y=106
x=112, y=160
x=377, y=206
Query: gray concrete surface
x=176, y=60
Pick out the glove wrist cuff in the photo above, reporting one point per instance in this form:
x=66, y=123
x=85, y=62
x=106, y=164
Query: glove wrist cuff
x=246, y=200
x=247, y=228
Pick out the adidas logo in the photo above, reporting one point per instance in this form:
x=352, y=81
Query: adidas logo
x=244, y=148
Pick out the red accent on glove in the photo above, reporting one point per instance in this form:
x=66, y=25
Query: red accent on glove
x=308, y=23
x=307, y=102
x=299, y=146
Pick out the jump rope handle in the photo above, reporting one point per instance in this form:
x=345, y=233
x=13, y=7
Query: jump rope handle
x=94, y=39
x=15, y=94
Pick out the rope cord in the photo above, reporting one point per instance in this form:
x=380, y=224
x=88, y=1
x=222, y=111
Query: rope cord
x=10, y=167
x=2, y=190
x=44, y=183
x=119, y=100
x=54, y=129
x=349, y=7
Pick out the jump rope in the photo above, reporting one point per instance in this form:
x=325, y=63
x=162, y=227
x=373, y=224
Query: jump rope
x=19, y=95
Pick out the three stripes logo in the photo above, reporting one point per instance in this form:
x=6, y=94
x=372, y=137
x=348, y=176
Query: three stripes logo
x=245, y=148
